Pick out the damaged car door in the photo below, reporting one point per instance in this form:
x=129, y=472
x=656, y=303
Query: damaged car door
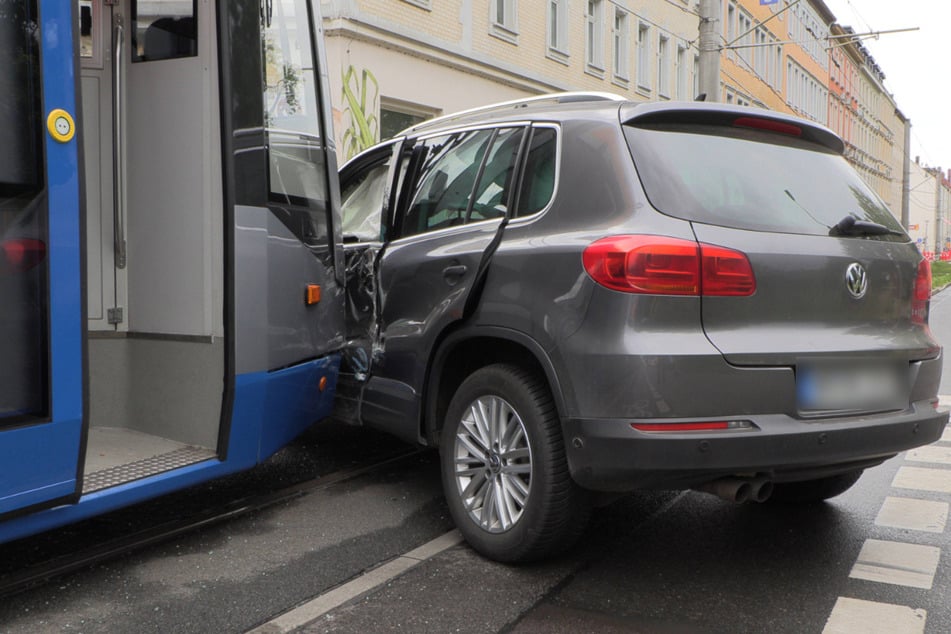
x=443, y=202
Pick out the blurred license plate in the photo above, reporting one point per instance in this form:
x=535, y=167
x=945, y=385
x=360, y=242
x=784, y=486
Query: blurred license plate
x=866, y=387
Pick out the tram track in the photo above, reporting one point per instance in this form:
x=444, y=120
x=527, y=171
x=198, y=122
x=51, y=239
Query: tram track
x=34, y=575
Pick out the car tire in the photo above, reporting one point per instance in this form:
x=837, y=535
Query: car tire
x=814, y=490
x=504, y=470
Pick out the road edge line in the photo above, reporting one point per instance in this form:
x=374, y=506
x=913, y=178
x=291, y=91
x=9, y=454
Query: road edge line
x=324, y=603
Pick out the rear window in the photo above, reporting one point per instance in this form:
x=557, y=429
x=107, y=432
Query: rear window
x=749, y=179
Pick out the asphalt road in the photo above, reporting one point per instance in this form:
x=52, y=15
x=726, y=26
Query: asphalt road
x=652, y=562
x=940, y=320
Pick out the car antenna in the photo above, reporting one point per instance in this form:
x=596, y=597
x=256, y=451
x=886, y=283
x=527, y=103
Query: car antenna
x=701, y=97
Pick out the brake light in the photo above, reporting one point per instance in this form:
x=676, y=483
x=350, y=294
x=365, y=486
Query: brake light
x=694, y=426
x=22, y=254
x=922, y=296
x=661, y=265
x=769, y=125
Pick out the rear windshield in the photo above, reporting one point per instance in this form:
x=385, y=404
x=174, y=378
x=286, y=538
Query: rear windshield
x=749, y=179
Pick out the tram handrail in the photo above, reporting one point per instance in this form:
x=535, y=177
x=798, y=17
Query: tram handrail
x=118, y=171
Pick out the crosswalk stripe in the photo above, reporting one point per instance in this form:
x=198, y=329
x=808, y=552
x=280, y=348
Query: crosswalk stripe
x=918, y=515
x=937, y=480
x=869, y=617
x=897, y=563
x=932, y=453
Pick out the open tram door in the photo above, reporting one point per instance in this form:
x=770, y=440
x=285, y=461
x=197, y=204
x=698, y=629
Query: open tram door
x=190, y=313
x=41, y=391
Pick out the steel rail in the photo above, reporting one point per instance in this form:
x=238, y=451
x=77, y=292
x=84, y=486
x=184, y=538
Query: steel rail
x=40, y=573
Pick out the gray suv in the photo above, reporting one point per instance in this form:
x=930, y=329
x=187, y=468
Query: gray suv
x=576, y=293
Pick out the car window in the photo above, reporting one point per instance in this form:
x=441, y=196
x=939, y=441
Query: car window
x=361, y=202
x=753, y=180
x=491, y=196
x=450, y=166
x=538, y=182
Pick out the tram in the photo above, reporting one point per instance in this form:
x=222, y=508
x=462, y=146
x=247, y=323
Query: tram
x=170, y=256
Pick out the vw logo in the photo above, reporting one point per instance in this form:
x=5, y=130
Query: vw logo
x=856, y=280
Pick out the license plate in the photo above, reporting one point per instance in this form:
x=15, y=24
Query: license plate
x=865, y=387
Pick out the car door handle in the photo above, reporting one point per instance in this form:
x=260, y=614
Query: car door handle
x=456, y=270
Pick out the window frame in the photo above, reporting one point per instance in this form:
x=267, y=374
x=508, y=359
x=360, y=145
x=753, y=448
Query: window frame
x=557, y=38
x=594, y=37
x=622, y=45
x=644, y=83
x=503, y=20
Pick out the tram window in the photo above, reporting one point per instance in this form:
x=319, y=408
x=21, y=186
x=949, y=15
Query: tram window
x=20, y=127
x=85, y=28
x=297, y=174
x=23, y=218
x=164, y=29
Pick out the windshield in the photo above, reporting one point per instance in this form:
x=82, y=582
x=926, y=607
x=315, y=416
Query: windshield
x=749, y=179
x=19, y=98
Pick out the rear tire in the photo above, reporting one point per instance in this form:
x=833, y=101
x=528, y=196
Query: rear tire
x=814, y=490
x=504, y=470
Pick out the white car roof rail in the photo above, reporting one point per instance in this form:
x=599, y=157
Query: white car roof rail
x=558, y=97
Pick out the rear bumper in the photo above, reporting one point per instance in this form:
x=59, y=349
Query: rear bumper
x=609, y=455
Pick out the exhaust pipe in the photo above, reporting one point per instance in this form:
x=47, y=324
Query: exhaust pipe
x=730, y=489
x=739, y=490
x=761, y=489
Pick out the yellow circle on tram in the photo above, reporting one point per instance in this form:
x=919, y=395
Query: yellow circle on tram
x=61, y=125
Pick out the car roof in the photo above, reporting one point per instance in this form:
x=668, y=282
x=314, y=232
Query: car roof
x=584, y=105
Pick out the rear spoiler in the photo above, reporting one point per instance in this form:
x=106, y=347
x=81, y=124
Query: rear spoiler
x=694, y=113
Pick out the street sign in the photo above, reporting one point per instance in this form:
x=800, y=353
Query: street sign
x=913, y=227
x=765, y=2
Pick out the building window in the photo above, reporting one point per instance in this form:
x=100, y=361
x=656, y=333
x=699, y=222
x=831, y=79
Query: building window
x=643, y=57
x=621, y=38
x=696, y=76
x=557, y=28
x=663, y=66
x=594, y=28
x=503, y=21
x=683, y=73
x=395, y=117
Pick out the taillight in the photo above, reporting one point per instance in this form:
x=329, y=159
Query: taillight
x=21, y=254
x=922, y=297
x=770, y=125
x=660, y=265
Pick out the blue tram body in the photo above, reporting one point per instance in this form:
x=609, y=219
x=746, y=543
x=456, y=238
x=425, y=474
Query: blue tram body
x=170, y=253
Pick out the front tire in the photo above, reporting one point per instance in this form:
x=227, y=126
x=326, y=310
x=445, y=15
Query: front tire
x=817, y=490
x=504, y=470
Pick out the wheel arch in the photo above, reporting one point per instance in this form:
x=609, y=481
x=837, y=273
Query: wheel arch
x=463, y=351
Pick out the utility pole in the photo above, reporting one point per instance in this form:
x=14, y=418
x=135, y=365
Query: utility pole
x=709, y=44
x=906, y=177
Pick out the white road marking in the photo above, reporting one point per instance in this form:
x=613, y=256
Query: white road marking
x=318, y=606
x=944, y=400
x=938, y=480
x=946, y=436
x=854, y=615
x=917, y=515
x=897, y=563
x=932, y=453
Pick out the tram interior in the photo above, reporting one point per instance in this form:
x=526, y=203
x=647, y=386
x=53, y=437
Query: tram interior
x=154, y=234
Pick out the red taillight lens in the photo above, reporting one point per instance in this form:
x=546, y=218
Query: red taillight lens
x=660, y=265
x=720, y=425
x=919, y=304
x=769, y=125
x=726, y=272
x=21, y=254
x=645, y=264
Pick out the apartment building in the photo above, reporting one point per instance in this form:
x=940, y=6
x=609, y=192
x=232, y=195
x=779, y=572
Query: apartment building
x=395, y=62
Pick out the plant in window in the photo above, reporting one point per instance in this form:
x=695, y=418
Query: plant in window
x=363, y=130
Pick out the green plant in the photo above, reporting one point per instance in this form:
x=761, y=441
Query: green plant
x=361, y=106
x=940, y=274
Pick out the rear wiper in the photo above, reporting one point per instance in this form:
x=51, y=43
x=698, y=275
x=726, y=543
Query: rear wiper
x=849, y=226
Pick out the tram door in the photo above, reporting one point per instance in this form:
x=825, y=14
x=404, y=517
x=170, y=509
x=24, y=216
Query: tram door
x=154, y=233
x=41, y=369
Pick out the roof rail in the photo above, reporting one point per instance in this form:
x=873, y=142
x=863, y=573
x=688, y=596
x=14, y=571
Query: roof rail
x=555, y=97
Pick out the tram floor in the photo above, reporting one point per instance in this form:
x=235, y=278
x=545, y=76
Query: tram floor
x=115, y=455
